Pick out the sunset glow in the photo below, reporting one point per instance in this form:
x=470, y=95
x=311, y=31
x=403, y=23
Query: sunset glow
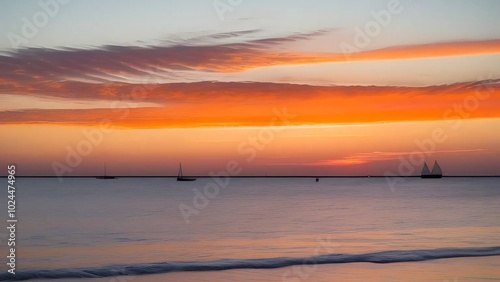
x=277, y=96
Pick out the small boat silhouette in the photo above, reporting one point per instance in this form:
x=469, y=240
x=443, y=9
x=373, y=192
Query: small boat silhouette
x=180, y=177
x=105, y=176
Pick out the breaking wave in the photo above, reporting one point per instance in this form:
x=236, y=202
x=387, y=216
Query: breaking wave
x=165, y=267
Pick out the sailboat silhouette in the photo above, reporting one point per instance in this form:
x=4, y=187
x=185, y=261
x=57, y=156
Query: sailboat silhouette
x=105, y=176
x=435, y=173
x=180, y=177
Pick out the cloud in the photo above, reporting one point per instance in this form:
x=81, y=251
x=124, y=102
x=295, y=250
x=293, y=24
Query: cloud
x=131, y=75
x=205, y=104
x=201, y=53
x=207, y=53
x=19, y=102
x=434, y=50
x=364, y=158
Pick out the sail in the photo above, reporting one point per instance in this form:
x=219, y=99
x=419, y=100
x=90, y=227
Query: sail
x=436, y=170
x=179, y=175
x=105, y=175
x=425, y=170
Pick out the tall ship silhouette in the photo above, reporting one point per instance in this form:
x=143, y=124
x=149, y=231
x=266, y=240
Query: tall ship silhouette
x=435, y=173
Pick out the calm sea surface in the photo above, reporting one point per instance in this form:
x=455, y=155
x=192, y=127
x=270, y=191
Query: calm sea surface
x=98, y=225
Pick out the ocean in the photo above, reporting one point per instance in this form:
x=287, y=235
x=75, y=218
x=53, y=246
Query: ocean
x=256, y=229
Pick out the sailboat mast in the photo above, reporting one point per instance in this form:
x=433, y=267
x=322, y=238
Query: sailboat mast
x=180, y=177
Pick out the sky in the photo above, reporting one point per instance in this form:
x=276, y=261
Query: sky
x=276, y=87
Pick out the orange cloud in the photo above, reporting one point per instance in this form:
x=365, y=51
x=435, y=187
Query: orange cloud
x=269, y=58
x=253, y=104
x=342, y=162
x=448, y=49
x=364, y=158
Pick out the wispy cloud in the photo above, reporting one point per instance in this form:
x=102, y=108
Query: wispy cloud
x=364, y=158
x=113, y=73
x=20, y=103
x=207, y=53
x=432, y=50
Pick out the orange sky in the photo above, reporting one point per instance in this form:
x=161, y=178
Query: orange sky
x=163, y=110
x=251, y=104
x=292, y=150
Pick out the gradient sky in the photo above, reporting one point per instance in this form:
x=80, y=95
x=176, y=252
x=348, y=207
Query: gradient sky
x=281, y=87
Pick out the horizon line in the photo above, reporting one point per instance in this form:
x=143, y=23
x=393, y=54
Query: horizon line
x=242, y=176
